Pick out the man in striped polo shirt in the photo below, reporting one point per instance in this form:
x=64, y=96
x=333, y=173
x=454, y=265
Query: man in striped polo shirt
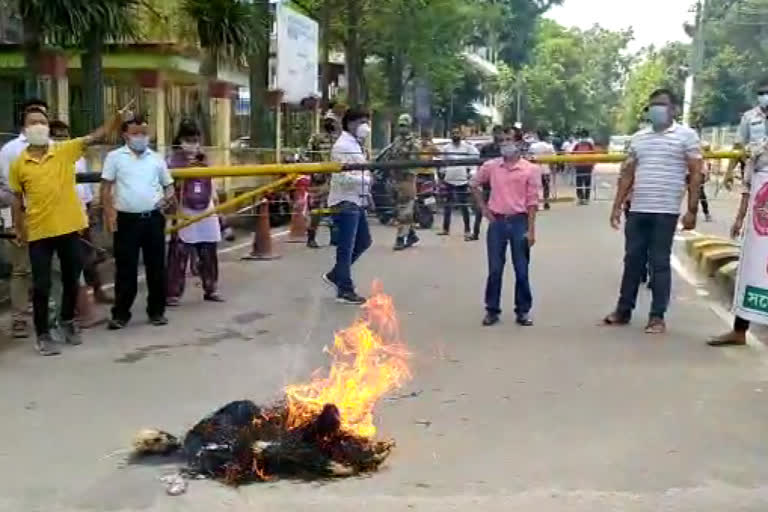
x=660, y=158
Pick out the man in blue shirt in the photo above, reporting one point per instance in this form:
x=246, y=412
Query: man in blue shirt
x=136, y=188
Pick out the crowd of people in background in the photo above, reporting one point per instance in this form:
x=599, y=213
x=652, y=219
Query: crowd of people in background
x=48, y=214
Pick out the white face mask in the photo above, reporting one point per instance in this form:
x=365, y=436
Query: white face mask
x=363, y=131
x=762, y=100
x=37, y=134
x=510, y=151
x=190, y=148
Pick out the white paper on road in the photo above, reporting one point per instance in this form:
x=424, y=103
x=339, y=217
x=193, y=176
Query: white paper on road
x=751, y=298
x=297, y=55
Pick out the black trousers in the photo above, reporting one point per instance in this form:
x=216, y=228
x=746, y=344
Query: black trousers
x=740, y=324
x=67, y=248
x=479, y=212
x=136, y=232
x=546, y=186
x=703, y=200
x=456, y=195
x=583, y=184
x=648, y=245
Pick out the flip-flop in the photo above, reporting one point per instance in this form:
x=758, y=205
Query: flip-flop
x=720, y=342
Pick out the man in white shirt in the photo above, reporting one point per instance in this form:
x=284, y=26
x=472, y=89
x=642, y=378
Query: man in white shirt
x=662, y=162
x=136, y=187
x=542, y=147
x=17, y=251
x=456, y=181
x=348, y=197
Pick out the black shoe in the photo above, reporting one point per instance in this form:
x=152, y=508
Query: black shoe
x=412, y=239
x=546, y=206
x=400, y=244
x=350, y=298
x=327, y=279
x=524, y=320
x=473, y=238
x=158, y=321
x=490, y=319
x=45, y=347
x=312, y=244
x=116, y=324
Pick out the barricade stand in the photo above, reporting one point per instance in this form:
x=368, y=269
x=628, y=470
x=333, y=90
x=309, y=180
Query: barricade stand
x=298, y=232
x=262, y=237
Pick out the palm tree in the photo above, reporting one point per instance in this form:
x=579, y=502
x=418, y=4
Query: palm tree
x=95, y=23
x=224, y=30
x=82, y=24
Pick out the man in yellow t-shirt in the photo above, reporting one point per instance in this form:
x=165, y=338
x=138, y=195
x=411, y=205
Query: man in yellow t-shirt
x=48, y=214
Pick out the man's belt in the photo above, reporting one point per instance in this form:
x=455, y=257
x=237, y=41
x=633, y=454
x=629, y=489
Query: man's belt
x=513, y=216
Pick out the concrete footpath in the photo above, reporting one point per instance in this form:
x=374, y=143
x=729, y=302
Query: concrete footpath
x=566, y=415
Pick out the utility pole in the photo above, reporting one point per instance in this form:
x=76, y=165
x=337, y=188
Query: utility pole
x=696, y=61
x=518, y=119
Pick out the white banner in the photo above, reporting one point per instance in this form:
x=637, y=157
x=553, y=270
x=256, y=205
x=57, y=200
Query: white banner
x=297, y=55
x=750, y=300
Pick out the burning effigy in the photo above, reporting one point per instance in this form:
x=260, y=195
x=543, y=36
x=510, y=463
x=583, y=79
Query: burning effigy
x=323, y=428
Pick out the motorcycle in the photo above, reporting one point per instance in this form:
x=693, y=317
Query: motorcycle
x=425, y=206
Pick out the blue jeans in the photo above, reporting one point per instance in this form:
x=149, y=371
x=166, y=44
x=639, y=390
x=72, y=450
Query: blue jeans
x=511, y=230
x=353, y=238
x=648, y=244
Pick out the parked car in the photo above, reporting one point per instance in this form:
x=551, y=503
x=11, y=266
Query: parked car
x=618, y=143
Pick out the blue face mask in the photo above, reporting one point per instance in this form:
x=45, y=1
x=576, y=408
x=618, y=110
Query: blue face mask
x=138, y=143
x=658, y=115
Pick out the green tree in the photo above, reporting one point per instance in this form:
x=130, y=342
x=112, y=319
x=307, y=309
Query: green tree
x=513, y=27
x=421, y=39
x=735, y=40
x=652, y=69
x=82, y=24
x=228, y=31
x=573, y=79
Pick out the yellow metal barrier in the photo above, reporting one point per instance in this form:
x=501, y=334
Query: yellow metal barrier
x=334, y=167
x=294, y=169
x=235, y=202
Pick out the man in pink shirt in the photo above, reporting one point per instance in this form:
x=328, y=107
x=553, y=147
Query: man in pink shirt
x=511, y=211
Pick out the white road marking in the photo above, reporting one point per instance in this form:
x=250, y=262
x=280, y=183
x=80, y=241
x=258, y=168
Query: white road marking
x=233, y=248
x=719, y=311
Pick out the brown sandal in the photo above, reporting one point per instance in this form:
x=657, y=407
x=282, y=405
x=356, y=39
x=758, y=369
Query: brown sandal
x=727, y=340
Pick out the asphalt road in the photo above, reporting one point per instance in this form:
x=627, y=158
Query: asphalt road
x=566, y=415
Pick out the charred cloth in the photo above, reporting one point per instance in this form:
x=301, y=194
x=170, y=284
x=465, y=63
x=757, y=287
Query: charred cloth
x=243, y=442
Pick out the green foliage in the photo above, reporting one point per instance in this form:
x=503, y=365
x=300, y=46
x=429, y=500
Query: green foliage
x=68, y=23
x=735, y=59
x=653, y=69
x=513, y=26
x=223, y=26
x=573, y=79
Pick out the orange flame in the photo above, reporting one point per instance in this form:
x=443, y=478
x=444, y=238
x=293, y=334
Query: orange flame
x=368, y=361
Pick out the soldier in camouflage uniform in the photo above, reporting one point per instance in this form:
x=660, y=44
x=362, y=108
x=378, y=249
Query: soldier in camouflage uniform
x=405, y=147
x=319, y=150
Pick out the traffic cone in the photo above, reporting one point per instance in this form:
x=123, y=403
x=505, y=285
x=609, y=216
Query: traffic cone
x=298, y=230
x=262, y=237
x=88, y=314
